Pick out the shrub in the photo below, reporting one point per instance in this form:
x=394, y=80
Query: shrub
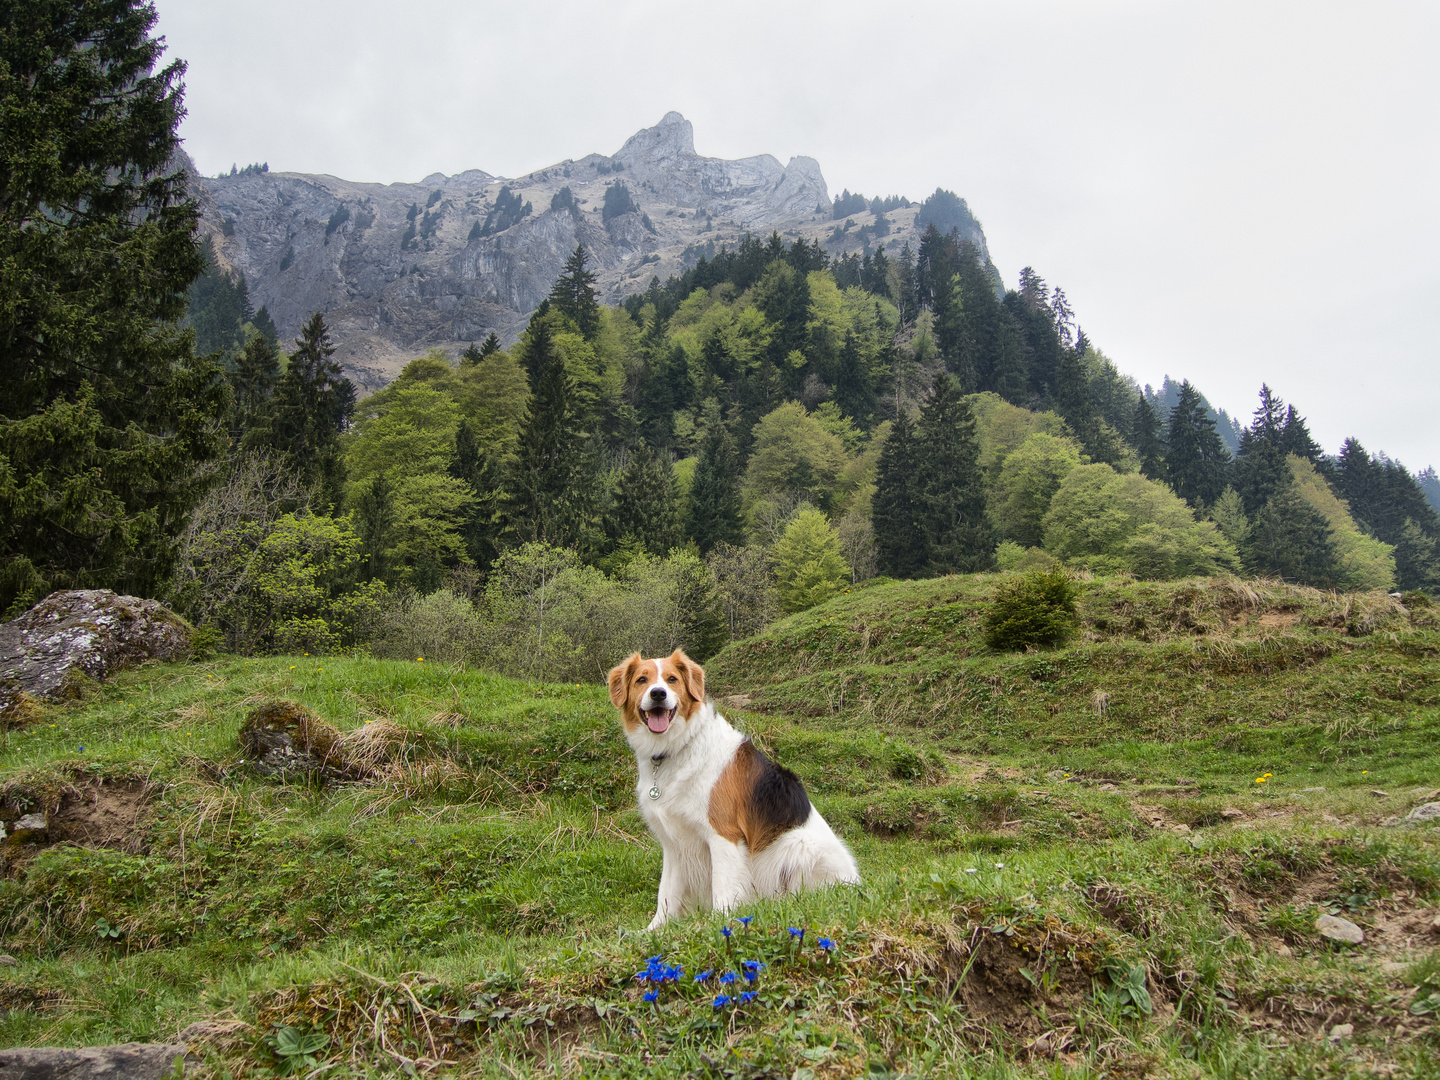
x=442, y=627
x=1037, y=609
x=808, y=563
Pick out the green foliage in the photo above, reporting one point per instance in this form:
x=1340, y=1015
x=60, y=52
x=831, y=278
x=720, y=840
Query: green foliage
x=1037, y=609
x=1195, y=458
x=1028, y=480
x=1365, y=563
x=949, y=485
x=109, y=419
x=1106, y=521
x=509, y=209
x=574, y=293
x=895, y=507
x=617, y=202
x=793, y=459
x=808, y=563
x=714, y=502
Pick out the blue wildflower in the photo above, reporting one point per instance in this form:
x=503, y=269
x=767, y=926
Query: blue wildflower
x=747, y=996
x=797, y=932
x=653, y=995
x=744, y=920
x=752, y=969
x=725, y=930
x=655, y=959
x=728, y=977
x=704, y=975
x=723, y=1000
x=642, y=976
x=826, y=944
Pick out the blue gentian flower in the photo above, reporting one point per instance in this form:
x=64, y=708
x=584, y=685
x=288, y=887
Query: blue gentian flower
x=744, y=920
x=826, y=944
x=752, y=969
x=653, y=995
x=747, y=996
x=704, y=975
x=797, y=932
x=723, y=1000
x=725, y=930
x=728, y=977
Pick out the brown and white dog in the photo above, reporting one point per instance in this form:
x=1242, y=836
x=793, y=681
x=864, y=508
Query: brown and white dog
x=732, y=824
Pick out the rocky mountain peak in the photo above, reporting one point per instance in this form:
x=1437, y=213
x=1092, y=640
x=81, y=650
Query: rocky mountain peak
x=673, y=137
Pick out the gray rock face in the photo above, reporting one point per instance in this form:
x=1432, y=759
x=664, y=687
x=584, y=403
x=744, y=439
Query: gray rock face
x=392, y=285
x=126, y=1061
x=1427, y=812
x=92, y=631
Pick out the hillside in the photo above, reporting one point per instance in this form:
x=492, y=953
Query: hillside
x=392, y=283
x=1070, y=865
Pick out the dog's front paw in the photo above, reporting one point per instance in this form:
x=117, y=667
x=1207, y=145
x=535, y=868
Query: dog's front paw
x=658, y=921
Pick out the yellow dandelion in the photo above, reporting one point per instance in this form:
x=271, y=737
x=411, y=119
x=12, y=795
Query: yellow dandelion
x=419, y=659
x=292, y=667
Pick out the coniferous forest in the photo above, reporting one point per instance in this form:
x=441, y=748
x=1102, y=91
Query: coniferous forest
x=770, y=428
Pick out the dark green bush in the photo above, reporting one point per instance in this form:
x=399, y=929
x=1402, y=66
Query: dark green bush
x=1036, y=609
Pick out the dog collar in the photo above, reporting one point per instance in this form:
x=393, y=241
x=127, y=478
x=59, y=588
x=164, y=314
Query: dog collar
x=655, y=760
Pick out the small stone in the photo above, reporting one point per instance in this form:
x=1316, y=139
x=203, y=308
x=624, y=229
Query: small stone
x=1230, y=813
x=1337, y=929
x=1181, y=829
x=1107, y=787
x=31, y=821
x=6, y=960
x=1429, y=812
x=1380, y=794
x=1341, y=1031
x=1281, y=949
x=1393, y=967
x=1435, y=926
x=1312, y=789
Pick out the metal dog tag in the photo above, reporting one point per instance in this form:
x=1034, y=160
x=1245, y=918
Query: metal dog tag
x=654, y=793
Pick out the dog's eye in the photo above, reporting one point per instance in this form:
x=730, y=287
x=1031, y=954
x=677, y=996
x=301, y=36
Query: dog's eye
x=671, y=678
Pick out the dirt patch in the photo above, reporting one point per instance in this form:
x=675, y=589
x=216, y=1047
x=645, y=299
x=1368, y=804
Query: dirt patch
x=101, y=815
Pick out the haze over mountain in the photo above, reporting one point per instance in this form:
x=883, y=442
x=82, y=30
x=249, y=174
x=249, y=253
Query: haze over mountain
x=400, y=268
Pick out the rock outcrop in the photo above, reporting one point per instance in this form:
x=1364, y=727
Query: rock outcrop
x=126, y=1061
x=87, y=633
x=400, y=268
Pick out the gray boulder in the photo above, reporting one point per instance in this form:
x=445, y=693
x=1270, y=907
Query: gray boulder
x=126, y=1061
x=1428, y=812
x=89, y=632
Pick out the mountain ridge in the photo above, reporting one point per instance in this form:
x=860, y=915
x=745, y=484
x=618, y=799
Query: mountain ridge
x=400, y=268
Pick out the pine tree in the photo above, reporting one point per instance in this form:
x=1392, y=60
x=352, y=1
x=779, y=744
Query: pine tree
x=1260, y=466
x=715, y=489
x=950, y=485
x=490, y=346
x=471, y=356
x=481, y=473
x=257, y=373
x=574, y=293
x=1196, y=461
x=308, y=416
x=854, y=386
x=550, y=486
x=1145, y=438
x=645, y=508
x=1290, y=539
x=108, y=420
x=895, y=506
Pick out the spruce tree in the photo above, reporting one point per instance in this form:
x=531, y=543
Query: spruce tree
x=1290, y=539
x=1145, y=438
x=645, y=508
x=951, y=488
x=574, y=293
x=715, y=490
x=307, y=414
x=481, y=474
x=550, y=486
x=490, y=346
x=108, y=420
x=471, y=356
x=895, y=506
x=256, y=375
x=854, y=386
x=1260, y=466
x=1196, y=461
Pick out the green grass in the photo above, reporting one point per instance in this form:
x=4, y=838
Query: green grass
x=1031, y=828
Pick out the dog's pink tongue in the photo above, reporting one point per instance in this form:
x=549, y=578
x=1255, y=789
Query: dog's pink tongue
x=658, y=721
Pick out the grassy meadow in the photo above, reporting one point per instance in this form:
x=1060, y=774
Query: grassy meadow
x=1104, y=860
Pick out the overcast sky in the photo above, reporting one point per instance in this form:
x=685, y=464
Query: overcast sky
x=1229, y=192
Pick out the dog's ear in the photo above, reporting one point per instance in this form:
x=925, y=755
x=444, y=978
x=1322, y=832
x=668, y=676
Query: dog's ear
x=691, y=673
x=620, y=680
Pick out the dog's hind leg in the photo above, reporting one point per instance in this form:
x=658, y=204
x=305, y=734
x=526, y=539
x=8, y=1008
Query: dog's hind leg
x=730, y=883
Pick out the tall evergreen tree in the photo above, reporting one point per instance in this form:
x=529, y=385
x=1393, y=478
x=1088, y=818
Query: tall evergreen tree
x=1260, y=466
x=645, y=509
x=307, y=414
x=256, y=375
x=1145, y=438
x=574, y=293
x=490, y=346
x=481, y=473
x=471, y=356
x=715, y=489
x=1290, y=539
x=1196, y=461
x=107, y=418
x=895, y=506
x=951, y=488
x=550, y=487
x=1388, y=502
x=854, y=386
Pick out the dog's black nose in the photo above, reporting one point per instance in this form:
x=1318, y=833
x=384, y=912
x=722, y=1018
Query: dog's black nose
x=657, y=692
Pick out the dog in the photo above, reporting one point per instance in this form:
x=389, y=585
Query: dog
x=732, y=824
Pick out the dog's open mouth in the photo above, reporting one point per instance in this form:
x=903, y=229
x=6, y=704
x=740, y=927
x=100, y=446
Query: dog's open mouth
x=658, y=720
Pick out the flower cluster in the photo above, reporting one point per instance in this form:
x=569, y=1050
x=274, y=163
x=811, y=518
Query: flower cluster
x=1264, y=779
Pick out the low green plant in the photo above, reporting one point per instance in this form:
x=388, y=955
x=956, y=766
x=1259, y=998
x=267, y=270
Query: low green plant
x=1127, y=995
x=1037, y=609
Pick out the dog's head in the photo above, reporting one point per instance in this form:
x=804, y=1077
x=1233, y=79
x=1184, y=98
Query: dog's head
x=657, y=696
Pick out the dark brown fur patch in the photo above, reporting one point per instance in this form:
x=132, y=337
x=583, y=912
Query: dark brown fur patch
x=756, y=800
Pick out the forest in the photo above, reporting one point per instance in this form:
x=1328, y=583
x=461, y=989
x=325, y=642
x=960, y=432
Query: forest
x=770, y=428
